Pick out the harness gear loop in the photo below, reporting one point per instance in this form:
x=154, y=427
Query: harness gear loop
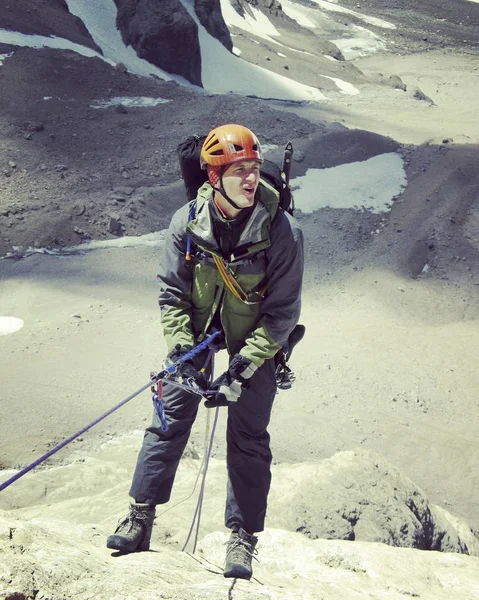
x=158, y=403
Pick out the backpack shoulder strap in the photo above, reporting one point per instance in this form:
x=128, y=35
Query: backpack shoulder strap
x=191, y=216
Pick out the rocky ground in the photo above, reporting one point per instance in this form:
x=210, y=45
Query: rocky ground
x=101, y=172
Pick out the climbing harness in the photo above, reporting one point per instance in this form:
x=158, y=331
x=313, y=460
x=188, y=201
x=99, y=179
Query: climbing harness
x=191, y=385
x=251, y=297
x=163, y=374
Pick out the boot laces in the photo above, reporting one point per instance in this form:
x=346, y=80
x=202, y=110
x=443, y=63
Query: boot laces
x=135, y=516
x=238, y=549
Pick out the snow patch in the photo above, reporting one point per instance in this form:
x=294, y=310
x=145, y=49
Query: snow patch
x=10, y=325
x=130, y=101
x=344, y=86
x=40, y=41
x=357, y=47
x=366, y=185
x=154, y=239
x=371, y=20
x=258, y=24
x=298, y=14
x=222, y=72
x=267, y=147
x=4, y=56
x=150, y=239
x=300, y=51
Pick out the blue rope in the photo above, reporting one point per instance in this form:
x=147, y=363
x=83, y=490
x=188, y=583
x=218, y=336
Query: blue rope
x=52, y=451
x=171, y=369
x=161, y=375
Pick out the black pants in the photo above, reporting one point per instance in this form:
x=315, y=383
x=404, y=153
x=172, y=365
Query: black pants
x=248, y=450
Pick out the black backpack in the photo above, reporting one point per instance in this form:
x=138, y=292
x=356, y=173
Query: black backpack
x=194, y=176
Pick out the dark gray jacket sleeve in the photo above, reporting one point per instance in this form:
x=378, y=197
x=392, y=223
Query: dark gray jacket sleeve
x=174, y=278
x=282, y=306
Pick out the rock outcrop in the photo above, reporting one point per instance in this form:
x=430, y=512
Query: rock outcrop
x=210, y=16
x=165, y=34
x=54, y=523
x=272, y=7
x=360, y=496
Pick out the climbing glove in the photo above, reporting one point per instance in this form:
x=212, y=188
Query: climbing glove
x=177, y=353
x=219, y=343
x=227, y=388
x=186, y=370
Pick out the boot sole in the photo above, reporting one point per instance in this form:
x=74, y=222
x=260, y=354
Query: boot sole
x=238, y=572
x=116, y=544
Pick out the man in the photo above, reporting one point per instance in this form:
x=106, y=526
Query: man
x=244, y=277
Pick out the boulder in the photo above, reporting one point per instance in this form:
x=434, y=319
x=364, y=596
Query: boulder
x=360, y=496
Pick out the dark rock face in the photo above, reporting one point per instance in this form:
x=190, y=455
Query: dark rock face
x=210, y=16
x=164, y=33
x=44, y=17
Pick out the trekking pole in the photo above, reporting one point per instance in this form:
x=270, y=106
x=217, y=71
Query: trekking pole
x=166, y=372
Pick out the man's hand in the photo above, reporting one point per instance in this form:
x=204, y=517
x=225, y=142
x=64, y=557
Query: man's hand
x=177, y=353
x=242, y=368
x=188, y=373
x=186, y=370
x=227, y=389
x=219, y=343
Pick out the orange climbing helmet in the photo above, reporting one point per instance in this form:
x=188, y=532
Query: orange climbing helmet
x=229, y=144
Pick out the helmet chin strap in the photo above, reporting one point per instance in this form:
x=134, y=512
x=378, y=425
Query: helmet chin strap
x=222, y=191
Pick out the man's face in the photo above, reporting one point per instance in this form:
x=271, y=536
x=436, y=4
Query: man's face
x=240, y=181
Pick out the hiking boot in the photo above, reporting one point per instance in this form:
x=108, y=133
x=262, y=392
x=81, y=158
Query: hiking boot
x=134, y=531
x=239, y=554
